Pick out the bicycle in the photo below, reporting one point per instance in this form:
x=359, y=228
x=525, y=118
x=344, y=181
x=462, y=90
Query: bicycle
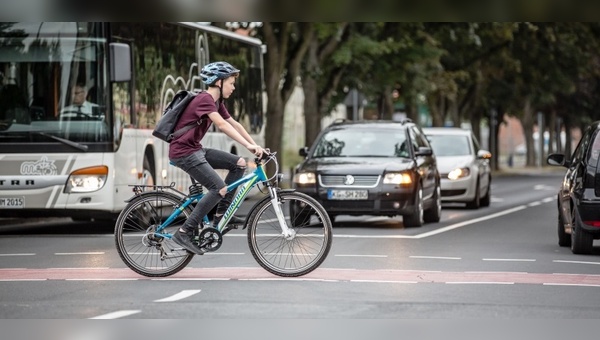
x=289, y=233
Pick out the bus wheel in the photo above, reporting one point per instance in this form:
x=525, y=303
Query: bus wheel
x=148, y=173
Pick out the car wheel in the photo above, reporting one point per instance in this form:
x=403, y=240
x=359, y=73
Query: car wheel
x=434, y=214
x=416, y=218
x=476, y=202
x=485, y=200
x=581, y=241
x=564, y=239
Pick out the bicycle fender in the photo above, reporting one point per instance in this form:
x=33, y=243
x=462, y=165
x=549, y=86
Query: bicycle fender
x=266, y=198
x=150, y=193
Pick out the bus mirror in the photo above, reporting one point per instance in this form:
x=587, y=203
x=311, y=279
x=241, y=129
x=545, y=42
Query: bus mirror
x=120, y=62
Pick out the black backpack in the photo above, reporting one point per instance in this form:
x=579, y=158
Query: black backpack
x=165, y=128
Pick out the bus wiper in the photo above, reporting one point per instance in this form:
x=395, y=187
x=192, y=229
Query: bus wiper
x=65, y=141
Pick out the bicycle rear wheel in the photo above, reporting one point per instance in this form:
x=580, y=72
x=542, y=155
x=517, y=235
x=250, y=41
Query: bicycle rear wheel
x=138, y=246
x=300, y=254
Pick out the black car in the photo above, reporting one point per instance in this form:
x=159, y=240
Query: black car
x=372, y=168
x=579, y=194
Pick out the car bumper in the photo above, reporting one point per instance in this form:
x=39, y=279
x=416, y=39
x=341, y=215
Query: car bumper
x=392, y=202
x=589, y=211
x=461, y=190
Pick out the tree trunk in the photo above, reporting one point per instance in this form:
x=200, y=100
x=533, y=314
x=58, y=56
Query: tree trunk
x=436, y=109
x=312, y=117
x=388, y=102
x=527, y=123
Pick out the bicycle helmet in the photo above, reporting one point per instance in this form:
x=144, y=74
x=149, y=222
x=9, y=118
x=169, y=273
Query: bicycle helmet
x=212, y=72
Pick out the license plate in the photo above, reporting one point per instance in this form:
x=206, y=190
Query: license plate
x=12, y=202
x=347, y=194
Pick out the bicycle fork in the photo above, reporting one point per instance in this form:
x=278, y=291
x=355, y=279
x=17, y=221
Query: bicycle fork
x=287, y=232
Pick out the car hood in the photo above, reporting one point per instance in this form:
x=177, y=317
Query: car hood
x=355, y=165
x=446, y=164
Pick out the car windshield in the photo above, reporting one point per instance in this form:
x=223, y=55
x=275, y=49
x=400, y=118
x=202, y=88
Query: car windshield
x=450, y=145
x=354, y=142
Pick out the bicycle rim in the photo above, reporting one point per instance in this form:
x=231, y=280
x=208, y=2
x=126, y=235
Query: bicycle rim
x=296, y=256
x=136, y=243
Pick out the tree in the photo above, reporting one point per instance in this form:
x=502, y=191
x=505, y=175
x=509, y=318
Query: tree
x=287, y=44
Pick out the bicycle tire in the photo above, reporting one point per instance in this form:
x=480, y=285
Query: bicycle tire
x=300, y=255
x=137, y=246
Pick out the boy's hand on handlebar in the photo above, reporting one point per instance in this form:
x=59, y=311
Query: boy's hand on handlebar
x=257, y=150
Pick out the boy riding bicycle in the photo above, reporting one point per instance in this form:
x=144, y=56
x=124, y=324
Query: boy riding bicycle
x=200, y=163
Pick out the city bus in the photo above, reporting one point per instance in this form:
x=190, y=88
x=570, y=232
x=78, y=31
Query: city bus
x=62, y=157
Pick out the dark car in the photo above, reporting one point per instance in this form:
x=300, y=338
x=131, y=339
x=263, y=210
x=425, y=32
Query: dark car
x=384, y=168
x=579, y=194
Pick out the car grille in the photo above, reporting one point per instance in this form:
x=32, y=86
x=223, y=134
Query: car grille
x=359, y=181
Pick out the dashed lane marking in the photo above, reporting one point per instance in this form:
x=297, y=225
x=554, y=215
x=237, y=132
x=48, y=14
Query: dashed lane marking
x=319, y=275
x=116, y=315
x=179, y=296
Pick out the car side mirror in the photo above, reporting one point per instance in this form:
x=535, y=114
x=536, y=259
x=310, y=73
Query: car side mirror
x=303, y=151
x=484, y=154
x=558, y=159
x=424, y=151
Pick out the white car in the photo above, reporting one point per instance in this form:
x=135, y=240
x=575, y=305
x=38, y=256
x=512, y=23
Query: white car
x=464, y=168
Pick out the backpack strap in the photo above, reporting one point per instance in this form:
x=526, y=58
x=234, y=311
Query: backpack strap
x=186, y=128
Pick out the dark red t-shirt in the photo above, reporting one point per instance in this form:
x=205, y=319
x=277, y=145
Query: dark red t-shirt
x=198, y=108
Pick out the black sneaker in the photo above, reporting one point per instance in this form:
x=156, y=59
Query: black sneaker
x=185, y=240
x=234, y=220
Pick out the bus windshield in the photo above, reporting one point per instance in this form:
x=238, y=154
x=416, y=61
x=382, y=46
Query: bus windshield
x=52, y=87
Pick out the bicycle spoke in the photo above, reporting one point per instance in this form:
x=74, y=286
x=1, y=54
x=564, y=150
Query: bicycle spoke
x=140, y=248
x=296, y=255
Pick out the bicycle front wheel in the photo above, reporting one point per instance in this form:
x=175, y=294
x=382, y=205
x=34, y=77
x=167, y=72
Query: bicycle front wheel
x=300, y=253
x=139, y=246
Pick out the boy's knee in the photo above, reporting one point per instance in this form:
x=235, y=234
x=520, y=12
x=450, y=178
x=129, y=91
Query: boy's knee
x=241, y=163
x=223, y=191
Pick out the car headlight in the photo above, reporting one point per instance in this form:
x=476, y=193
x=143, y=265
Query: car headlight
x=458, y=173
x=397, y=178
x=305, y=178
x=87, y=179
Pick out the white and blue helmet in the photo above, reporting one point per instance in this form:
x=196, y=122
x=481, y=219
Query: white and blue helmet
x=212, y=72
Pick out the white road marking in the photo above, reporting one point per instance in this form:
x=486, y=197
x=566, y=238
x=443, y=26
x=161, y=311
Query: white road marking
x=511, y=260
x=21, y=280
x=179, y=296
x=350, y=255
x=578, y=262
x=116, y=315
x=19, y=254
x=381, y=281
x=478, y=283
x=101, y=279
x=192, y=279
x=435, y=257
x=534, y=204
x=82, y=253
x=569, y=284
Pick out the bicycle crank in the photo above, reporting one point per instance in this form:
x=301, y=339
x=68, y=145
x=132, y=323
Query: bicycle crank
x=210, y=239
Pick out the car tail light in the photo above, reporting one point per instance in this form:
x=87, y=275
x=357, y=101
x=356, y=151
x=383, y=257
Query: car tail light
x=592, y=223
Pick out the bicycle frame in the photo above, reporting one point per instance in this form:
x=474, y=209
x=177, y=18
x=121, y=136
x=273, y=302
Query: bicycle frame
x=246, y=183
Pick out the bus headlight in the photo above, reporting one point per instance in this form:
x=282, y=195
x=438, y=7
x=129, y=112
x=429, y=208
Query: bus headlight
x=87, y=179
